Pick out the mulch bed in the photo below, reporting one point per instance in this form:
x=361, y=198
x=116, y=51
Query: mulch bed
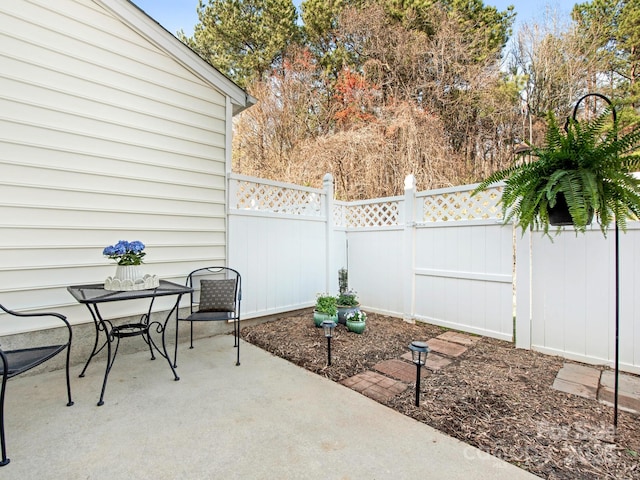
x=493, y=396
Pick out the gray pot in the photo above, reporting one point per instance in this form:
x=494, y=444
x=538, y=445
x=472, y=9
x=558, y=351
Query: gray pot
x=343, y=311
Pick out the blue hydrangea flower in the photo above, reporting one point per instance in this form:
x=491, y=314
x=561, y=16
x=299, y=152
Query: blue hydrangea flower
x=126, y=253
x=136, y=246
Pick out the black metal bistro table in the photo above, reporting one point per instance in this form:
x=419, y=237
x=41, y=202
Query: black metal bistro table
x=94, y=294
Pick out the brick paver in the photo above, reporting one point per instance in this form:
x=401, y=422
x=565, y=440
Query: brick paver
x=434, y=361
x=574, y=388
x=457, y=337
x=578, y=380
x=628, y=391
x=574, y=372
x=403, y=371
x=590, y=382
x=393, y=377
x=446, y=348
x=375, y=385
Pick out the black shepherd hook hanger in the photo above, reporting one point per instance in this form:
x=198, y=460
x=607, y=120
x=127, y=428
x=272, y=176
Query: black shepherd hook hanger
x=617, y=268
x=575, y=109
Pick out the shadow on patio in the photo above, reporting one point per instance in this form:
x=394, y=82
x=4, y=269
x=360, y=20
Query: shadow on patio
x=264, y=419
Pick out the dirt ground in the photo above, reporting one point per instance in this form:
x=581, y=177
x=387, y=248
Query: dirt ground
x=493, y=396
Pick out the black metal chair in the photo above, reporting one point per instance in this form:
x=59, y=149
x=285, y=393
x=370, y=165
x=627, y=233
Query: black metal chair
x=15, y=362
x=216, y=296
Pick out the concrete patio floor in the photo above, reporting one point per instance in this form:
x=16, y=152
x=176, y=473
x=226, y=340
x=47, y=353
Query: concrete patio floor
x=266, y=419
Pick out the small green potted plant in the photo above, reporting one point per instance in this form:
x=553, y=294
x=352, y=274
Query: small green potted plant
x=325, y=309
x=347, y=303
x=356, y=321
x=585, y=168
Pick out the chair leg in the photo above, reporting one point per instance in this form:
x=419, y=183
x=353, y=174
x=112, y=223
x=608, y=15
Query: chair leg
x=3, y=446
x=191, y=340
x=236, y=334
x=70, y=402
x=175, y=345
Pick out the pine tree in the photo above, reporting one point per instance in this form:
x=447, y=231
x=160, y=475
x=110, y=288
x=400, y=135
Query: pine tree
x=243, y=38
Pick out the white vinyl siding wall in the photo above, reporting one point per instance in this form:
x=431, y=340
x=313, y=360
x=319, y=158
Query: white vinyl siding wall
x=103, y=136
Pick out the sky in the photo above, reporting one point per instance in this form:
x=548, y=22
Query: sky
x=177, y=15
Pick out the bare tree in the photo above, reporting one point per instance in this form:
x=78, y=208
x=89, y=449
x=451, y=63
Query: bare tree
x=418, y=102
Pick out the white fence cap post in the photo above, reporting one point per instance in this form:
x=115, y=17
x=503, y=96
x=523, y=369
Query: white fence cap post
x=409, y=182
x=327, y=180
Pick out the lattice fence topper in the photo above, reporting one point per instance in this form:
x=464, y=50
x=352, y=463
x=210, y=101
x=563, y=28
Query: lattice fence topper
x=277, y=199
x=447, y=205
x=460, y=205
x=378, y=214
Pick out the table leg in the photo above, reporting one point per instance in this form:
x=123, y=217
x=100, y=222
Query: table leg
x=146, y=319
x=101, y=325
x=110, y=361
x=162, y=328
x=108, y=332
x=175, y=345
x=95, y=343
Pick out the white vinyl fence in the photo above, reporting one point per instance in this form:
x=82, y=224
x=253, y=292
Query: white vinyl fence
x=450, y=264
x=567, y=294
x=279, y=241
x=442, y=257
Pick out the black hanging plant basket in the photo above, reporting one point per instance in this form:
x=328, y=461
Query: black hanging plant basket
x=560, y=216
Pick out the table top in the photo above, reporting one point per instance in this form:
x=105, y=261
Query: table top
x=95, y=292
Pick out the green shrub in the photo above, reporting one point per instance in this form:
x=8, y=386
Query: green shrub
x=326, y=304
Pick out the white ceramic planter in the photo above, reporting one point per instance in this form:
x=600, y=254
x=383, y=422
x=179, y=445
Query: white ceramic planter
x=130, y=277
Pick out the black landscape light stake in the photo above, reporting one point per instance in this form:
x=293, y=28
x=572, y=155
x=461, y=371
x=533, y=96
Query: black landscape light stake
x=419, y=351
x=328, y=326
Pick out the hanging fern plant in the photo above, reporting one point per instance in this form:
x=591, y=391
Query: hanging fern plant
x=587, y=164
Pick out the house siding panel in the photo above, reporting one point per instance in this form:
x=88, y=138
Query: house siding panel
x=103, y=136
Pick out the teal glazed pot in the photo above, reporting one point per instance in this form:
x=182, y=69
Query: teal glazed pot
x=318, y=318
x=356, y=327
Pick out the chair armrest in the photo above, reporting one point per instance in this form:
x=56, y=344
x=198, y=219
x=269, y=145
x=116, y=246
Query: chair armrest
x=61, y=317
